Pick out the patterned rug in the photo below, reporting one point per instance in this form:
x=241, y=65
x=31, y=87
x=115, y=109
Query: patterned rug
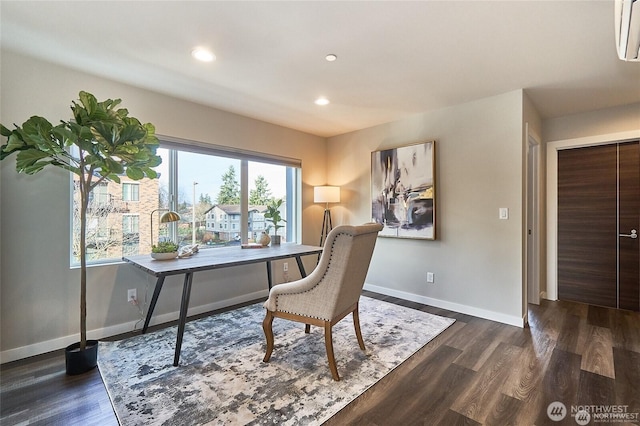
x=222, y=380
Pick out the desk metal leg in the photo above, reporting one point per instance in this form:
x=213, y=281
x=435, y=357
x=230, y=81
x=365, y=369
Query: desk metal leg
x=152, y=305
x=269, y=276
x=184, y=305
x=301, y=267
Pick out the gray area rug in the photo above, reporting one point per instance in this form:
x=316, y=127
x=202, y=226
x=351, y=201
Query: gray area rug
x=222, y=380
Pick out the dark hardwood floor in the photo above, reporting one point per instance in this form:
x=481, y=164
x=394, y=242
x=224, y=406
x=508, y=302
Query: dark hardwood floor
x=476, y=372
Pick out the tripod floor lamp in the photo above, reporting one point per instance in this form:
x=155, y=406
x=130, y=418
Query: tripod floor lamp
x=326, y=194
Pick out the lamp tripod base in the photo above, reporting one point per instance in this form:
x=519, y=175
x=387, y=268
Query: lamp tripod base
x=326, y=226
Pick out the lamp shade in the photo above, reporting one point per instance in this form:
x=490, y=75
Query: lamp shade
x=326, y=194
x=169, y=216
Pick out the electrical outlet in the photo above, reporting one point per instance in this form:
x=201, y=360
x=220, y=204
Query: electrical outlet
x=132, y=294
x=285, y=267
x=430, y=277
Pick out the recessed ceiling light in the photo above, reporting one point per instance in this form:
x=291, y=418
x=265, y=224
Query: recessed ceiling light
x=202, y=54
x=331, y=57
x=322, y=101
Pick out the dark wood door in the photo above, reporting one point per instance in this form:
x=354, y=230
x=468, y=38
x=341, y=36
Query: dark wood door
x=598, y=199
x=629, y=248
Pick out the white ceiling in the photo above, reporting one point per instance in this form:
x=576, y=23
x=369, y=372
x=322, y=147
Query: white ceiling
x=395, y=58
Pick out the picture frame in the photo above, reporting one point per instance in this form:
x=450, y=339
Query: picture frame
x=403, y=196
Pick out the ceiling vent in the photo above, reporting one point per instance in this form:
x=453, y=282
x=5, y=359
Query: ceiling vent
x=627, y=21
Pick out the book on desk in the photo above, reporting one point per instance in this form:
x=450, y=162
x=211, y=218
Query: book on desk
x=253, y=246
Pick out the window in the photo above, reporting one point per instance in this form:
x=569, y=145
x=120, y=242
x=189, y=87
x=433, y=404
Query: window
x=269, y=182
x=130, y=191
x=130, y=234
x=130, y=223
x=204, y=185
x=99, y=197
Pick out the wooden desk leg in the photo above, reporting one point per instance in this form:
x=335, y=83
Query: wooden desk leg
x=184, y=305
x=301, y=267
x=152, y=305
x=269, y=276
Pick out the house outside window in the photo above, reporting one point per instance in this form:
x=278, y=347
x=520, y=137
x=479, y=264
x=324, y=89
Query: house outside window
x=107, y=236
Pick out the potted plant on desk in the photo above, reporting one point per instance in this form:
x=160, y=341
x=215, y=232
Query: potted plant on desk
x=273, y=215
x=99, y=144
x=165, y=250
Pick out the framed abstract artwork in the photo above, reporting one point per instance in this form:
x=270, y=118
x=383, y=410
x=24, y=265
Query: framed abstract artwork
x=403, y=191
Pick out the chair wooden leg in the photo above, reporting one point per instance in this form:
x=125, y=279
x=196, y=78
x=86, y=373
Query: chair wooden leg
x=328, y=342
x=356, y=324
x=307, y=328
x=268, y=333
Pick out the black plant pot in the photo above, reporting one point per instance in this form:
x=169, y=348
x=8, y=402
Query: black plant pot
x=77, y=361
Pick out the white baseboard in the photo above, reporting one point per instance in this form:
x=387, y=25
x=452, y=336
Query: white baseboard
x=451, y=306
x=113, y=330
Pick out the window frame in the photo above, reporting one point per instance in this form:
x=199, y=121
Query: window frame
x=174, y=145
x=128, y=194
x=293, y=190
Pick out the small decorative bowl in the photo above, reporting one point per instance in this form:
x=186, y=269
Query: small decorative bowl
x=164, y=256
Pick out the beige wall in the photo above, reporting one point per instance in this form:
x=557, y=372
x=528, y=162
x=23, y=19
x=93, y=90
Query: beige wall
x=599, y=122
x=39, y=292
x=477, y=258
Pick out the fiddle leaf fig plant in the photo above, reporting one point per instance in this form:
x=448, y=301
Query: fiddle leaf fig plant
x=100, y=143
x=273, y=214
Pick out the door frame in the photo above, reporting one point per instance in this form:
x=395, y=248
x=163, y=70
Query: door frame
x=552, y=195
x=532, y=227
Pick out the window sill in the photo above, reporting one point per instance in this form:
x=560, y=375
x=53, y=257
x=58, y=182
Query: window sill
x=105, y=263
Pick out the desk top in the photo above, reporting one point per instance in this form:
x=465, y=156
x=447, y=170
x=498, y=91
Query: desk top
x=215, y=258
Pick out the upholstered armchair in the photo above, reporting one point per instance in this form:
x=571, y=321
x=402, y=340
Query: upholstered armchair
x=330, y=292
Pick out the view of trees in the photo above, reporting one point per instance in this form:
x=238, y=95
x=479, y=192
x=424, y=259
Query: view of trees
x=261, y=194
x=230, y=189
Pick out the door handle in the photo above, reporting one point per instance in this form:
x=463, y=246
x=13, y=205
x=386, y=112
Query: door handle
x=634, y=234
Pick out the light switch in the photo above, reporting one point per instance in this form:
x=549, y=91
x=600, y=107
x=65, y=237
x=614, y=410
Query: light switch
x=504, y=213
